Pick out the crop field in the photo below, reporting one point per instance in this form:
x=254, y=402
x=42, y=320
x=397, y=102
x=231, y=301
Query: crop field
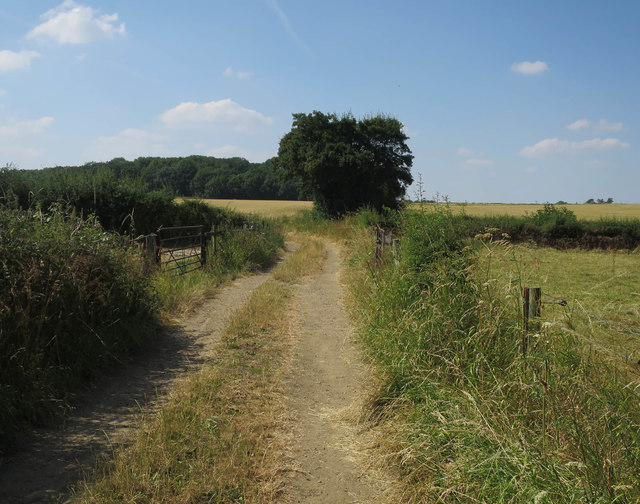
x=595, y=284
x=619, y=211
x=277, y=208
x=263, y=208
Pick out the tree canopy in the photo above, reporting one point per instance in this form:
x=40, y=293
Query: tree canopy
x=345, y=164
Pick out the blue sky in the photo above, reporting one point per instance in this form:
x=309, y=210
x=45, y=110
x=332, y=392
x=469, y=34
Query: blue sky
x=503, y=101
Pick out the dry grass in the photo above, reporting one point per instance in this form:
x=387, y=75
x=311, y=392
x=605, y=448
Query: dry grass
x=214, y=439
x=590, y=212
x=218, y=437
x=306, y=260
x=263, y=208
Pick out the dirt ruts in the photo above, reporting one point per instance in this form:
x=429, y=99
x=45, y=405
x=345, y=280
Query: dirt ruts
x=57, y=456
x=325, y=380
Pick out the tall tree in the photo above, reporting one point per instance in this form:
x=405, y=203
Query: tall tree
x=345, y=164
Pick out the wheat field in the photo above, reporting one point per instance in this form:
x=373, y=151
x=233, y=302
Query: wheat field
x=264, y=208
x=582, y=211
x=277, y=208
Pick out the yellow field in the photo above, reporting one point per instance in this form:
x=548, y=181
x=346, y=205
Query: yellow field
x=277, y=208
x=620, y=211
x=264, y=208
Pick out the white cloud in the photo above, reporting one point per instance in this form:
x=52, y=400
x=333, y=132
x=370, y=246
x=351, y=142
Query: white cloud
x=598, y=127
x=2, y=92
x=603, y=125
x=478, y=162
x=551, y=146
x=530, y=68
x=23, y=142
x=10, y=60
x=464, y=152
x=19, y=129
x=72, y=23
x=229, y=73
x=579, y=124
x=217, y=114
x=130, y=144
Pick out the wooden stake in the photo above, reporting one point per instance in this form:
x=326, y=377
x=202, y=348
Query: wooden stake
x=531, y=304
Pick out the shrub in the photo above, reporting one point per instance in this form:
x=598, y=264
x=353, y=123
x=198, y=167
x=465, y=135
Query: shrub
x=245, y=249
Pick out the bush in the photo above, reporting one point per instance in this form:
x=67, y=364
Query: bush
x=123, y=205
x=244, y=249
x=557, y=222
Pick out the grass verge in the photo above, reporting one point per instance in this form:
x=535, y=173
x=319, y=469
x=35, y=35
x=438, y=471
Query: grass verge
x=306, y=260
x=462, y=415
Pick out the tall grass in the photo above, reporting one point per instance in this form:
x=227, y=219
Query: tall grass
x=468, y=415
x=72, y=299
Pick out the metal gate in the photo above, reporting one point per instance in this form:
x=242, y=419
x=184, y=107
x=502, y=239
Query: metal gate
x=181, y=249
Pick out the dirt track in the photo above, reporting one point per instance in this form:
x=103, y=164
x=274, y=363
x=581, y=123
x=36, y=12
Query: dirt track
x=323, y=381
x=57, y=456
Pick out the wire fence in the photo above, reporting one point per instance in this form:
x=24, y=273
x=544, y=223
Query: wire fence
x=564, y=303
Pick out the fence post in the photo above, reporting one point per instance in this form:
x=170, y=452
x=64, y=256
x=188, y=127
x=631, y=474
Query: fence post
x=203, y=247
x=531, y=303
x=213, y=234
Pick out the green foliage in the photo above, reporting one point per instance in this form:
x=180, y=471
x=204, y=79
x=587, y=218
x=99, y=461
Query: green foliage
x=481, y=422
x=121, y=204
x=72, y=298
x=245, y=250
x=558, y=227
x=199, y=176
x=551, y=215
x=345, y=164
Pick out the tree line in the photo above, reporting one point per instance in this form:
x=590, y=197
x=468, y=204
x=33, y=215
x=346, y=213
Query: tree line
x=341, y=162
x=197, y=176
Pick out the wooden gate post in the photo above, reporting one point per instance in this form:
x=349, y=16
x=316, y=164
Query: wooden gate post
x=203, y=247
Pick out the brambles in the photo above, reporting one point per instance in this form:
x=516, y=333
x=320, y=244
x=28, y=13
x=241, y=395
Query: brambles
x=72, y=299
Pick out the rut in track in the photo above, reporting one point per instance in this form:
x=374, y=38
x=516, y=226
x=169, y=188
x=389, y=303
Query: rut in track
x=56, y=457
x=325, y=379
